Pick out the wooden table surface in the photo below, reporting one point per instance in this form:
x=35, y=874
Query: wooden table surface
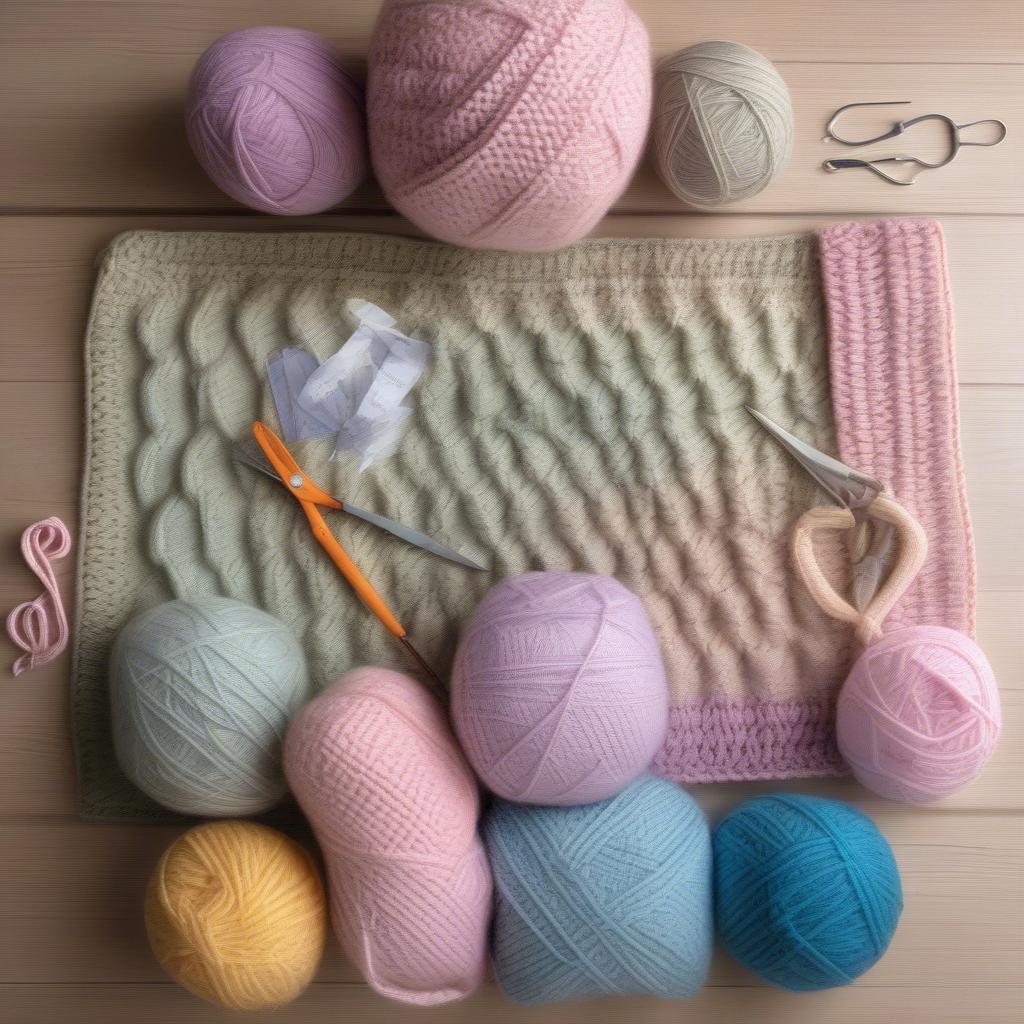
x=91, y=143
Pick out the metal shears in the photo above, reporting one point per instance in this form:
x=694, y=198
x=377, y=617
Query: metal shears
x=887, y=549
x=311, y=498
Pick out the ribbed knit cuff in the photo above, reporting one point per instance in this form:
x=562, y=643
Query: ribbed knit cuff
x=732, y=742
x=894, y=396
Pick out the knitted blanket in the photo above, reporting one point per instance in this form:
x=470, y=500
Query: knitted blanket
x=583, y=410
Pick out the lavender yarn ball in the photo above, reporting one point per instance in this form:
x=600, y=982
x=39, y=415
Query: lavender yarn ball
x=558, y=689
x=276, y=121
x=919, y=715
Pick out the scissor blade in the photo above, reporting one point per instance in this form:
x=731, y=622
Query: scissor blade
x=846, y=485
x=410, y=536
x=248, y=453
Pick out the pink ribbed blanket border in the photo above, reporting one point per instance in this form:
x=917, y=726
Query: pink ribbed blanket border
x=894, y=396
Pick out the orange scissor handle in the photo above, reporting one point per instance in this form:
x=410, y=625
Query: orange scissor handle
x=359, y=583
x=309, y=496
x=289, y=470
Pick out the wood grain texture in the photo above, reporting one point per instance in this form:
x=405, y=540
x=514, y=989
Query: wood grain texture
x=90, y=94
x=108, y=87
x=167, y=1004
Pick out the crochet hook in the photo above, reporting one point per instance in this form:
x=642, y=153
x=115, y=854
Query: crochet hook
x=311, y=498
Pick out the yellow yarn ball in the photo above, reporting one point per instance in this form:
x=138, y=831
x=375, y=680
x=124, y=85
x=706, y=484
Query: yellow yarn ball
x=236, y=914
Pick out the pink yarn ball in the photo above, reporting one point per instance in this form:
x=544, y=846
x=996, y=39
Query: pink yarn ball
x=919, y=714
x=558, y=689
x=510, y=124
x=276, y=121
x=394, y=807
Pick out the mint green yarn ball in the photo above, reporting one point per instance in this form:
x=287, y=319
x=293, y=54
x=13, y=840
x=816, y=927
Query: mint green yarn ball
x=201, y=696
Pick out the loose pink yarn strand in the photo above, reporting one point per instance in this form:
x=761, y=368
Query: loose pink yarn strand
x=40, y=627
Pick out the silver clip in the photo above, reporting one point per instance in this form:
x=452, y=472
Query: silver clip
x=956, y=141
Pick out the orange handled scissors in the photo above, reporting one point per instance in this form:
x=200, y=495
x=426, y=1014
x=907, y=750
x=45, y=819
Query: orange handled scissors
x=311, y=498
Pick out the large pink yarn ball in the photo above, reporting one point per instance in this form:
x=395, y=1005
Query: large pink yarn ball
x=919, y=714
x=276, y=121
x=510, y=124
x=394, y=807
x=558, y=689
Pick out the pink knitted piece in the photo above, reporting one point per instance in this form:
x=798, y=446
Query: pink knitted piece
x=894, y=397
x=394, y=807
x=510, y=124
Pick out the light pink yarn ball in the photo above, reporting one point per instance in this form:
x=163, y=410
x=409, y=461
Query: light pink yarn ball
x=558, y=689
x=919, y=714
x=394, y=807
x=276, y=121
x=510, y=124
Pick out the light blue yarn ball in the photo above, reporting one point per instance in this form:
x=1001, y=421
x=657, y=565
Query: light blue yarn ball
x=610, y=897
x=201, y=695
x=807, y=892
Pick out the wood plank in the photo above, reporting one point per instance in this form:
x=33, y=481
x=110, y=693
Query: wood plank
x=47, y=271
x=86, y=925
x=93, y=114
x=167, y=1004
x=982, y=32
x=991, y=426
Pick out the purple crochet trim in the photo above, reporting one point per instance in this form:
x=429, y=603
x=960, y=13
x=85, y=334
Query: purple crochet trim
x=720, y=742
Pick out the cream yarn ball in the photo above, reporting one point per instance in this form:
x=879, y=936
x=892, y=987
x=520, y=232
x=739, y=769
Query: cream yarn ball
x=201, y=695
x=723, y=123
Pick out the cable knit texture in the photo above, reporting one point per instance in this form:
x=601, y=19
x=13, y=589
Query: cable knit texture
x=510, y=124
x=583, y=411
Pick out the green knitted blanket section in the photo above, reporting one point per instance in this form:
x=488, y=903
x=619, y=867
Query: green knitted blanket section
x=583, y=410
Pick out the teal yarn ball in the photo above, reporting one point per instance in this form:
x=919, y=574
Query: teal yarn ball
x=807, y=892
x=201, y=695
x=605, y=898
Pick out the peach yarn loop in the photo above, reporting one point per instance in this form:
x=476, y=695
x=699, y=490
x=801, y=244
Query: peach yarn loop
x=912, y=552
